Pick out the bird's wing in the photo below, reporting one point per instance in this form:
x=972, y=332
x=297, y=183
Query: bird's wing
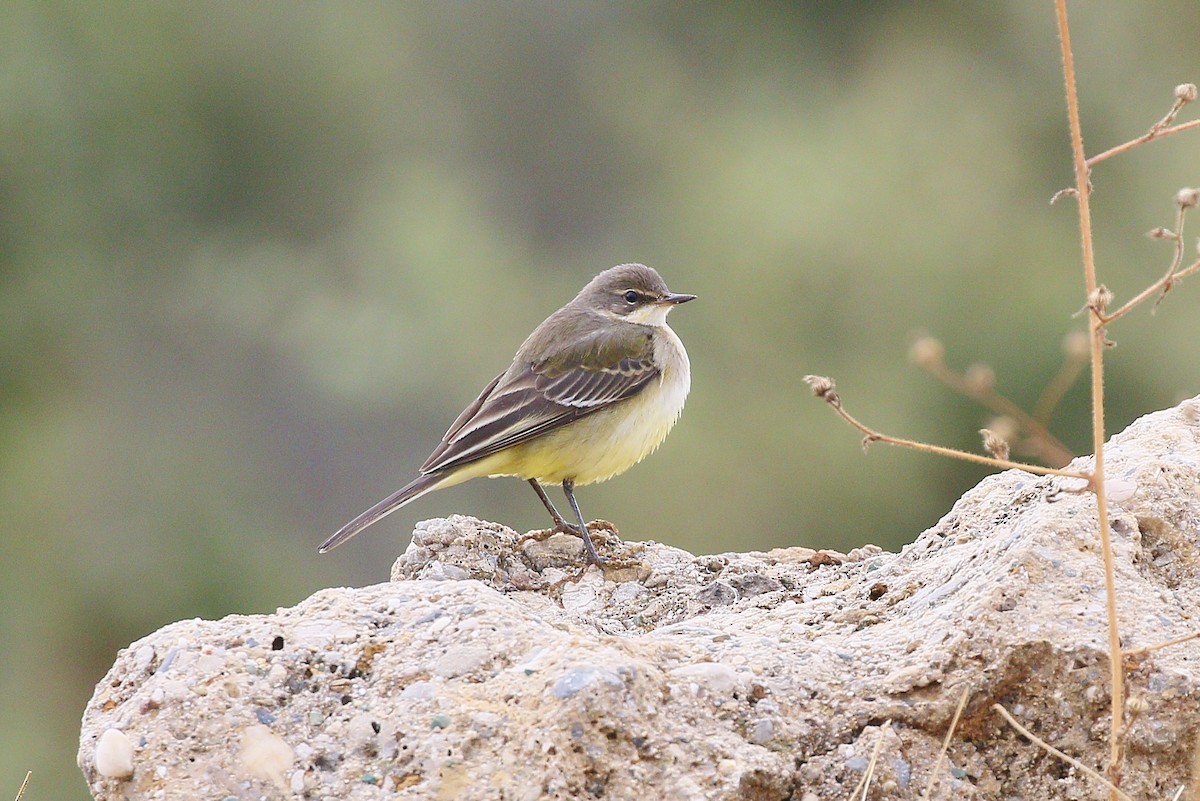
x=531, y=398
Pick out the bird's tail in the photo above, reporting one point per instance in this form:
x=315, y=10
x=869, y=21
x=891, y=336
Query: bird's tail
x=410, y=492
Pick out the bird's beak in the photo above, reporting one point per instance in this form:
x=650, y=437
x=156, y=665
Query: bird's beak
x=676, y=298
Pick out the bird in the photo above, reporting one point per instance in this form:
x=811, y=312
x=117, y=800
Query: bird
x=591, y=392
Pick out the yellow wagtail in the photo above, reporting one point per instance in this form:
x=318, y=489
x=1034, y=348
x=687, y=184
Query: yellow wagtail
x=591, y=392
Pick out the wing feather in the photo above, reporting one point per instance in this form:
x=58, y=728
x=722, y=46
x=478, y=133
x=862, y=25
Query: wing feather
x=532, y=398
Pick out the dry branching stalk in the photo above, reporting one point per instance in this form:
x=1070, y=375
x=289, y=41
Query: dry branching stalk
x=825, y=389
x=1097, y=342
x=1075, y=763
x=979, y=384
x=1184, y=199
x=937, y=763
x=1075, y=357
x=1184, y=94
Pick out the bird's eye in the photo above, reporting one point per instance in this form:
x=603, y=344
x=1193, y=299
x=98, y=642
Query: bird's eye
x=632, y=296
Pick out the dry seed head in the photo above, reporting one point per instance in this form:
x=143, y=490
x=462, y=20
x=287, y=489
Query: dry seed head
x=1100, y=298
x=1076, y=346
x=994, y=443
x=1160, y=233
x=979, y=379
x=1187, y=198
x=926, y=352
x=821, y=386
x=1136, y=705
x=1185, y=92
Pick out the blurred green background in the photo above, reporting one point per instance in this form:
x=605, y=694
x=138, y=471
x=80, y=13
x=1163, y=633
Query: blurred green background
x=254, y=258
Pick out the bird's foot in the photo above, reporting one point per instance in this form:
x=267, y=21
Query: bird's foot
x=602, y=527
x=605, y=529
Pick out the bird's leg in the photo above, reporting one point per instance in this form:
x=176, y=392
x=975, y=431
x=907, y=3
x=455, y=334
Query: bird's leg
x=560, y=522
x=568, y=486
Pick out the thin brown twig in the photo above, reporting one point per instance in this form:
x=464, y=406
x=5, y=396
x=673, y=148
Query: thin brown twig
x=1097, y=344
x=937, y=763
x=824, y=388
x=1045, y=445
x=1038, y=741
x=1074, y=360
x=1146, y=137
x=1169, y=279
x=1145, y=649
x=1161, y=286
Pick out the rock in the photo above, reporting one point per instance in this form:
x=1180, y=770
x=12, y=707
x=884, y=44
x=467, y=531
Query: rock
x=499, y=666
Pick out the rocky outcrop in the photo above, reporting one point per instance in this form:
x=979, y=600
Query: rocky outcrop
x=495, y=666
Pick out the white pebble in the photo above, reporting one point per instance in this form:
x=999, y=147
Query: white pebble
x=419, y=691
x=277, y=674
x=1120, y=490
x=265, y=755
x=719, y=679
x=143, y=657
x=114, y=755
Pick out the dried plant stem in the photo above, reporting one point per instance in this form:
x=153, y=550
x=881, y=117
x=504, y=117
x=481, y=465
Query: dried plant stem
x=824, y=389
x=1145, y=649
x=864, y=783
x=1173, y=275
x=1045, y=444
x=24, y=784
x=1097, y=343
x=1163, y=284
x=1153, y=133
x=937, y=763
x=1063, y=380
x=1113, y=790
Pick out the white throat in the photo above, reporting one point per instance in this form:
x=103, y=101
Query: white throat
x=654, y=314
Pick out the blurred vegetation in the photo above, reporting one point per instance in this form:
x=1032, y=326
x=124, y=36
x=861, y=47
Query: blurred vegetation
x=254, y=258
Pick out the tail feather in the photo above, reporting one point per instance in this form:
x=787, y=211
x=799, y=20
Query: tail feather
x=410, y=492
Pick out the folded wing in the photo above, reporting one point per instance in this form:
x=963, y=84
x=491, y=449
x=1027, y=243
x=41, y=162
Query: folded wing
x=532, y=398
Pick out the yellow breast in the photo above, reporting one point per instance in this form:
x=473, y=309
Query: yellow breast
x=609, y=442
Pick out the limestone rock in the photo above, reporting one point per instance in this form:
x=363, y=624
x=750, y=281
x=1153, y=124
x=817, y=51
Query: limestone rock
x=495, y=666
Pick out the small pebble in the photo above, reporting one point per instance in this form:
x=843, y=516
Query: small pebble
x=265, y=755
x=143, y=657
x=717, y=593
x=579, y=678
x=762, y=730
x=114, y=755
x=858, y=763
x=716, y=677
x=419, y=691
